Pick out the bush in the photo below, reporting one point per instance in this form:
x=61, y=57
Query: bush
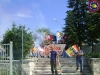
x=92, y=55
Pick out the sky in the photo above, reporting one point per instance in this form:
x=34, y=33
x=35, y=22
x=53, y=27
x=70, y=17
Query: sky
x=32, y=14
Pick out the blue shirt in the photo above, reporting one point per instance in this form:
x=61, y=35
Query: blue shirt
x=53, y=55
x=79, y=57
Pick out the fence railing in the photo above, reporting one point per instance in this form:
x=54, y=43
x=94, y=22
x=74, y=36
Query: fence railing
x=6, y=55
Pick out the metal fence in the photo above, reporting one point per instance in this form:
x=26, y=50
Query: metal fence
x=6, y=55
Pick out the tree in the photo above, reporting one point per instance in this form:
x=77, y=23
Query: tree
x=15, y=35
x=81, y=26
x=93, y=26
x=75, y=22
x=47, y=30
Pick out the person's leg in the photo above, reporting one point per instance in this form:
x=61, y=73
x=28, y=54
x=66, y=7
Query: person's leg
x=55, y=68
x=77, y=64
x=81, y=65
x=64, y=53
x=33, y=54
x=52, y=65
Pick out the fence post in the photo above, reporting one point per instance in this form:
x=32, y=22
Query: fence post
x=11, y=55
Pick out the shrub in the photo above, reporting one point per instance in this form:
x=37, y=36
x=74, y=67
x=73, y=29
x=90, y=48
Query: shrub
x=92, y=55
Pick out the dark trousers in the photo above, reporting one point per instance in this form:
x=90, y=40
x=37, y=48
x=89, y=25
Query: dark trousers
x=53, y=67
x=81, y=65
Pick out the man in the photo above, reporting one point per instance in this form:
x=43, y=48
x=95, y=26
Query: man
x=64, y=53
x=53, y=57
x=79, y=60
x=33, y=52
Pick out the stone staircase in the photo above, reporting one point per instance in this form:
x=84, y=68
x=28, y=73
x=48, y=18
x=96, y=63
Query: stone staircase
x=68, y=66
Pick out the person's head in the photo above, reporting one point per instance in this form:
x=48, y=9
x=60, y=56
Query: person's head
x=52, y=48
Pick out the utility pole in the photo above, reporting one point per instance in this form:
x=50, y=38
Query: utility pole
x=22, y=50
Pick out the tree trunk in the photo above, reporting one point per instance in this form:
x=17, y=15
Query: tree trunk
x=92, y=47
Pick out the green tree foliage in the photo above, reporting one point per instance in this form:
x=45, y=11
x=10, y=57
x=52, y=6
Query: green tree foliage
x=15, y=35
x=81, y=25
x=93, y=27
x=47, y=30
x=75, y=22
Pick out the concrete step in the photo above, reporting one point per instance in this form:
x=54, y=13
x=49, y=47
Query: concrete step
x=63, y=68
x=68, y=66
x=62, y=65
x=66, y=74
x=63, y=71
x=61, y=60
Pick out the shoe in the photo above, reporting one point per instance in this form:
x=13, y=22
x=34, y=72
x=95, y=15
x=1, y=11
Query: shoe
x=77, y=70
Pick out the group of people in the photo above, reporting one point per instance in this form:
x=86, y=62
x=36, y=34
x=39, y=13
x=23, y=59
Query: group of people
x=55, y=57
x=37, y=52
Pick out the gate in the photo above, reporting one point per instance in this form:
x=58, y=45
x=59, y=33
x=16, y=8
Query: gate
x=6, y=55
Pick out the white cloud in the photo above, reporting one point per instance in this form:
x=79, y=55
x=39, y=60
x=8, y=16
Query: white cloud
x=32, y=14
x=22, y=15
x=38, y=17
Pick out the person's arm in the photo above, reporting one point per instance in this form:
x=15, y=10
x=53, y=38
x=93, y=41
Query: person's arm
x=57, y=57
x=76, y=54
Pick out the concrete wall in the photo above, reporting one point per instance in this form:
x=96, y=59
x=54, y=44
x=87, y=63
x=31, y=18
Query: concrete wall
x=85, y=48
x=94, y=64
x=97, y=48
x=27, y=67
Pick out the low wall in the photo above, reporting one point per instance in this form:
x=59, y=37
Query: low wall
x=94, y=64
x=27, y=68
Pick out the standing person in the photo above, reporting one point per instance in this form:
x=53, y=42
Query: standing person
x=53, y=57
x=35, y=51
x=64, y=53
x=66, y=47
x=79, y=60
x=33, y=54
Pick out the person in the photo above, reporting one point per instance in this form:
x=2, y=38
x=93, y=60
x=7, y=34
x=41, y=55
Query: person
x=79, y=60
x=42, y=51
x=66, y=47
x=33, y=52
x=53, y=57
x=64, y=53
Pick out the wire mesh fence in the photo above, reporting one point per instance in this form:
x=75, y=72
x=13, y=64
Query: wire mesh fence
x=5, y=67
